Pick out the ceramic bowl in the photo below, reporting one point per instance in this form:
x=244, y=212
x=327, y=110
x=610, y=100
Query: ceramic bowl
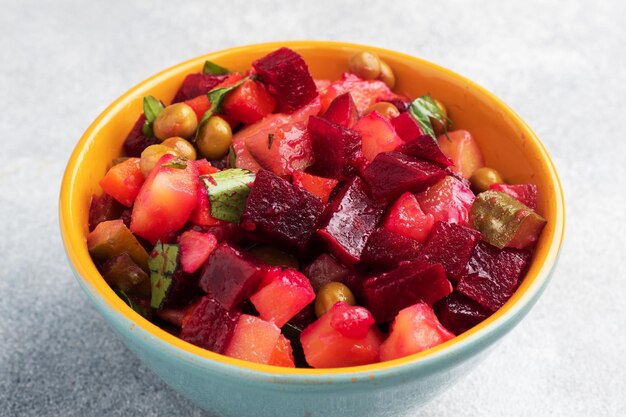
x=230, y=387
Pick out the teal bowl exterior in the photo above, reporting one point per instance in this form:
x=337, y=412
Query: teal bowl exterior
x=231, y=391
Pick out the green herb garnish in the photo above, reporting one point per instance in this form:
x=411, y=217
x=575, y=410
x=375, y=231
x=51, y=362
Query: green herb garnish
x=151, y=109
x=228, y=192
x=270, y=139
x=129, y=301
x=232, y=157
x=423, y=109
x=163, y=262
x=180, y=162
x=212, y=68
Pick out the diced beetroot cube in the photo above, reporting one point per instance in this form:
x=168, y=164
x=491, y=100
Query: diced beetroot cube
x=353, y=323
x=281, y=212
x=407, y=218
x=449, y=200
x=326, y=347
x=493, y=275
x=391, y=174
x=249, y=103
x=230, y=275
x=253, y=340
x=182, y=289
x=318, y=186
x=324, y=269
x=363, y=92
x=414, y=330
x=195, y=248
x=342, y=111
x=288, y=79
x=334, y=147
x=269, y=125
x=425, y=147
x=377, y=135
x=123, y=181
x=103, y=208
x=282, y=355
x=463, y=150
x=386, y=249
x=407, y=127
x=401, y=103
x=165, y=201
x=284, y=151
x=524, y=193
x=409, y=283
x=223, y=231
x=290, y=287
x=136, y=141
x=450, y=245
x=459, y=313
x=209, y=325
x=353, y=216
x=195, y=85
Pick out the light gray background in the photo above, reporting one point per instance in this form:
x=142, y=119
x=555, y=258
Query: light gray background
x=560, y=65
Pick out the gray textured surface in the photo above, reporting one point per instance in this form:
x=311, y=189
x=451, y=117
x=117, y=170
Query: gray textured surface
x=559, y=64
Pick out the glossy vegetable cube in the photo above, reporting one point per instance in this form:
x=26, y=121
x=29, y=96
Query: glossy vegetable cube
x=195, y=248
x=363, y=92
x=122, y=272
x=253, y=340
x=201, y=214
x=386, y=249
x=342, y=111
x=283, y=151
x=281, y=212
x=331, y=341
x=414, y=330
x=449, y=200
x=406, y=218
x=324, y=269
x=406, y=127
x=198, y=84
x=450, y=245
x=111, y=238
x=103, y=208
x=352, y=217
x=426, y=148
x=123, y=181
x=249, y=103
x=334, y=147
x=230, y=275
x=318, y=186
x=282, y=294
x=200, y=105
x=504, y=221
x=462, y=149
x=524, y=193
x=165, y=201
x=282, y=355
x=209, y=325
x=493, y=275
x=377, y=135
x=459, y=313
x=392, y=173
x=411, y=282
x=288, y=79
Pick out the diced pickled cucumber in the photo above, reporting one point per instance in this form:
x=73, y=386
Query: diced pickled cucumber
x=112, y=238
x=504, y=221
x=122, y=272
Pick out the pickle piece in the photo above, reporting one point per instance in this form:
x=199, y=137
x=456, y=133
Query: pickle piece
x=504, y=221
x=122, y=272
x=111, y=238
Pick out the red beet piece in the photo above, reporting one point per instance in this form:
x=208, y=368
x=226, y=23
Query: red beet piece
x=386, y=249
x=493, y=274
x=524, y=193
x=353, y=216
x=324, y=269
x=425, y=147
x=406, y=127
x=391, y=173
x=408, y=284
x=223, y=231
x=281, y=212
x=450, y=245
x=288, y=79
x=195, y=85
x=103, y=208
x=230, y=275
x=136, y=141
x=184, y=287
x=342, y=111
x=334, y=147
x=210, y=325
x=459, y=313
